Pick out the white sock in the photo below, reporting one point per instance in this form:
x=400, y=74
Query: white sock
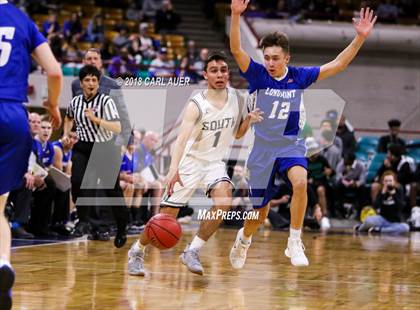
x=138, y=247
x=295, y=233
x=4, y=262
x=197, y=243
x=245, y=239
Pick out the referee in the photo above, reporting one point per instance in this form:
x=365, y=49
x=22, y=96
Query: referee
x=97, y=121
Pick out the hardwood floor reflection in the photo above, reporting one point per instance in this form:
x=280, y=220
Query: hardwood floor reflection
x=345, y=272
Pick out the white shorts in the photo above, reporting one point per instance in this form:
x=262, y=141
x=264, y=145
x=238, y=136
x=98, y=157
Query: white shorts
x=194, y=174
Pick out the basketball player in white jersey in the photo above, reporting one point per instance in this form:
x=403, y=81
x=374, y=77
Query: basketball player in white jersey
x=212, y=119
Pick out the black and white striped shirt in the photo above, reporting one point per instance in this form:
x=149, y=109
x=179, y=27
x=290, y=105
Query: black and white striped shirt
x=104, y=108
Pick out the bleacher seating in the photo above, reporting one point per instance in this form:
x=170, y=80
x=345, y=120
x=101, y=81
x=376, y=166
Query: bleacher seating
x=366, y=148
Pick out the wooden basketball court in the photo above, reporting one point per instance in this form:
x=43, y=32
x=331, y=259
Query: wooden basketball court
x=345, y=272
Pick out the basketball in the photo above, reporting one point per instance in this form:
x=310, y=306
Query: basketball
x=163, y=231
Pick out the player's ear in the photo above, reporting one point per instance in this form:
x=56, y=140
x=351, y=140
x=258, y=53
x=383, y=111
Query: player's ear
x=287, y=58
x=205, y=75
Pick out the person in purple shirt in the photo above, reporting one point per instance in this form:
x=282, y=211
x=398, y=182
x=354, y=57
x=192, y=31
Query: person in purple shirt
x=19, y=40
x=279, y=149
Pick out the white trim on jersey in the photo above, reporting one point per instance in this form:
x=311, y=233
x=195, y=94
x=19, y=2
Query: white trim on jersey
x=284, y=75
x=3, y=2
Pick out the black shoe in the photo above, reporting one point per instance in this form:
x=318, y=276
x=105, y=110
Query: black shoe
x=120, y=240
x=80, y=230
x=374, y=230
x=21, y=233
x=7, y=278
x=356, y=228
x=101, y=236
x=62, y=230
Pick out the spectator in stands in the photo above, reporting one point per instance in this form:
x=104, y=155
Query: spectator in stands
x=389, y=205
x=350, y=175
x=43, y=196
x=198, y=66
x=51, y=27
x=279, y=213
x=330, y=125
x=62, y=161
x=22, y=197
x=130, y=180
x=347, y=137
x=96, y=29
x=34, y=123
x=146, y=159
x=149, y=7
x=71, y=53
x=192, y=52
x=133, y=13
x=121, y=40
x=166, y=19
x=385, y=141
x=162, y=66
x=73, y=29
x=185, y=71
x=319, y=174
x=141, y=44
x=329, y=150
x=122, y=65
x=402, y=166
x=56, y=43
x=109, y=87
x=137, y=137
x=387, y=12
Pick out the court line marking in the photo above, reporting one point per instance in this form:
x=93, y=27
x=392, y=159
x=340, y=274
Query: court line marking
x=84, y=239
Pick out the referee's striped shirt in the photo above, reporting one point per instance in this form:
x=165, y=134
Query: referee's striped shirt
x=104, y=108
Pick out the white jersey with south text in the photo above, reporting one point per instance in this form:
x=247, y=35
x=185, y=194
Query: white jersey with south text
x=215, y=129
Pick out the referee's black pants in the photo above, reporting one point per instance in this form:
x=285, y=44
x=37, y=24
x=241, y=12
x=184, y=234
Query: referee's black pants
x=110, y=157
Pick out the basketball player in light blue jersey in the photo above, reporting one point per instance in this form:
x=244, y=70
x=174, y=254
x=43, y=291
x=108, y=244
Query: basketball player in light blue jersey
x=19, y=39
x=277, y=149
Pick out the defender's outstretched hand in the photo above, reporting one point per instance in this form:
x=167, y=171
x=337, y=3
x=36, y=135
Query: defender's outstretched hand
x=239, y=6
x=365, y=23
x=255, y=116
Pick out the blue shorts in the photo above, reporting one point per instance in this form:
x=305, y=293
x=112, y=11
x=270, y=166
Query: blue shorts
x=265, y=168
x=15, y=145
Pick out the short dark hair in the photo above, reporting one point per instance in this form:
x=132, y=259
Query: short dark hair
x=394, y=123
x=215, y=55
x=89, y=70
x=279, y=39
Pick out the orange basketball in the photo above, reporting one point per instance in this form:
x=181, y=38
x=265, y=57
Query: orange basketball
x=163, y=231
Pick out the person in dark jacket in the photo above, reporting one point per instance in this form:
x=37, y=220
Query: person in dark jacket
x=385, y=141
x=388, y=205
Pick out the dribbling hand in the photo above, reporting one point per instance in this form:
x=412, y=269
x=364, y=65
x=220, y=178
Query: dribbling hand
x=170, y=181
